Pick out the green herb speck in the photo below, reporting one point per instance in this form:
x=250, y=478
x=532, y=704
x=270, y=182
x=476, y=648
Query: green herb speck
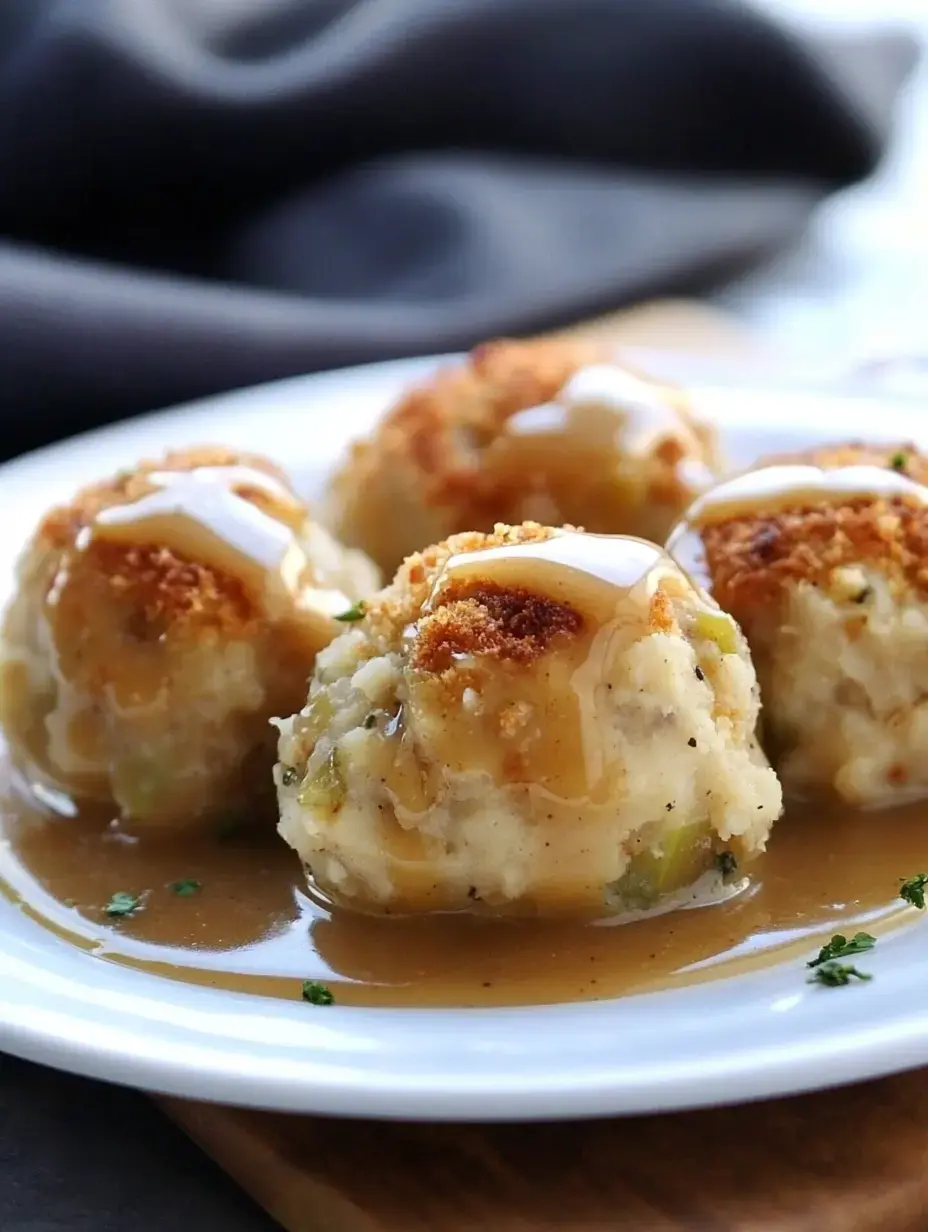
x=185, y=887
x=840, y=947
x=726, y=863
x=356, y=612
x=913, y=890
x=316, y=993
x=123, y=903
x=835, y=975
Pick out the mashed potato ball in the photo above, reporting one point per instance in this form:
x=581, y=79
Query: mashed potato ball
x=159, y=621
x=822, y=558
x=535, y=721
x=547, y=430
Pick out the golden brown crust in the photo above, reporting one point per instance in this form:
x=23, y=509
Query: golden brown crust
x=438, y=426
x=752, y=559
x=164, y=592
x=482, y=618
x=400, y=605
x=161, y=591
x=442, y=460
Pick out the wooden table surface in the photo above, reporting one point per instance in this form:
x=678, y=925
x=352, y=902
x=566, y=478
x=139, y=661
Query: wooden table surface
x=852, y=1160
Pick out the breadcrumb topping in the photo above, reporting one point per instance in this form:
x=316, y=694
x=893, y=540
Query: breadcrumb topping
x=163, y=590
x=752, y=558
x=440, y=426
x=485, y=619
x=401, y=604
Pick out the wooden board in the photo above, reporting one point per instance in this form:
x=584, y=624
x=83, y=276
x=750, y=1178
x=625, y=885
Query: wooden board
x=854, y=1160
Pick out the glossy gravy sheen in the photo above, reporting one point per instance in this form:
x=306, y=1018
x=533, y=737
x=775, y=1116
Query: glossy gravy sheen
x=252, y=927
x=771, y=490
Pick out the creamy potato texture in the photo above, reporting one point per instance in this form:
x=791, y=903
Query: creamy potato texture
x=160, y=619
x=823, y=560
x=530, y=721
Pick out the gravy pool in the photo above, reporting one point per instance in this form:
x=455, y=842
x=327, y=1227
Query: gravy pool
x=253, y=928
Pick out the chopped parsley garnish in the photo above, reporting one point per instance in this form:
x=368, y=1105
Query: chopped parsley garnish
x=726, y=863
x=370, y=721
x=185, y=887
x=317, y=994
x=289, y=776
x=123, y=903
x=898, y=461
x=356, y=612
x=840, y=947
x=913, y=890
x=835, y=975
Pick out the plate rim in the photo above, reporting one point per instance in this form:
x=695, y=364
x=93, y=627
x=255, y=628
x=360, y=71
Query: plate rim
x=856, y=1047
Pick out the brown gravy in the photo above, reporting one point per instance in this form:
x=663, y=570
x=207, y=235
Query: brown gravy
x=253, y=928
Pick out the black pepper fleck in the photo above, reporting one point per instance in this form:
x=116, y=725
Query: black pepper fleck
x=692, y=742
x=700, y=674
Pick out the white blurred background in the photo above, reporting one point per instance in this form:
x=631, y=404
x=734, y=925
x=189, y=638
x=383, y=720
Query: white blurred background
x=857, y=284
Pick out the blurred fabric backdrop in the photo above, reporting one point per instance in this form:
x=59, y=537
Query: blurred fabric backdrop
x=200, y=194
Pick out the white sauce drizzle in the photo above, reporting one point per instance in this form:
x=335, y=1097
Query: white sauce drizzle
x=772, y=488
x=775, y=485
x=200, y=513
x=612, y=404
x=596, y=572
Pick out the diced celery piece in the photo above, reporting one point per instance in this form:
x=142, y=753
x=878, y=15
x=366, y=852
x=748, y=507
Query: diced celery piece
x=684, y=855
x=324, y=789
x=719, y=628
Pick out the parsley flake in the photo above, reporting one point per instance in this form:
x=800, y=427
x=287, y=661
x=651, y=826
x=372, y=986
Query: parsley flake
x=726, y=863
x=840, y=947
x=185, y=887
x=913, y=890
x=898, y=461
x=836, y=975
x=123, y=903
x=316, y=993
x=370, y=722
x=356, y=612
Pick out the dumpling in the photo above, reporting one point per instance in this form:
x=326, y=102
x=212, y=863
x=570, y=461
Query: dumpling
x=552, y=431
x=822, y=558
x=529, y=721
x=159, y=621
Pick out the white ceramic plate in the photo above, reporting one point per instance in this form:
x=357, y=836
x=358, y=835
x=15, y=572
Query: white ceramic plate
x=765, y=1033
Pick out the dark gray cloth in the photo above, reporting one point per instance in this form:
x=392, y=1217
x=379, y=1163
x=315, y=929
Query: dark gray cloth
x=194, y=196
x=77, y=1156
x=197, y=196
